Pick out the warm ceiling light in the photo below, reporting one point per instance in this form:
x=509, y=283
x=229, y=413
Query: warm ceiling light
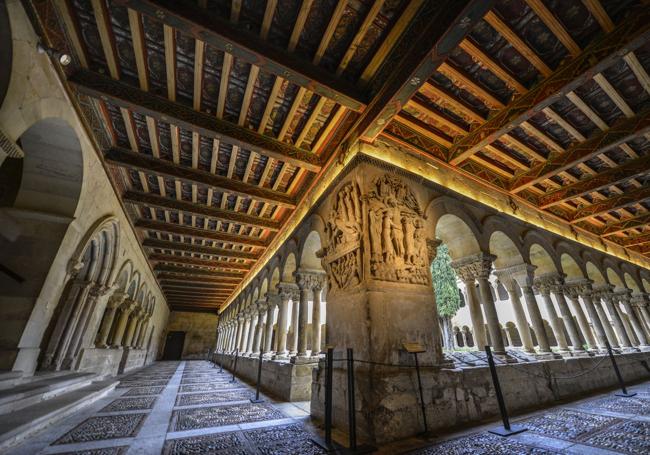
x=63, y=58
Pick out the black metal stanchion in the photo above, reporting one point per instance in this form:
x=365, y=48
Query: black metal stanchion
x=329, y=376
x=234, y=367
x=259, y=377
x=352, y=420
x=424, y=411
x=624, y=393
x=506, y=429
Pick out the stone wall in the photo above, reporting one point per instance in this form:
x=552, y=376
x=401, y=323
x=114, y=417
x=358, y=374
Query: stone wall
x=282, y=380
x=200, y=332
x=48, y=225
x=459, y=397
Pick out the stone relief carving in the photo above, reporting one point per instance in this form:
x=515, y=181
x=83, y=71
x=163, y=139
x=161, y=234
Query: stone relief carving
x=344, y=228
x=398, y=248
x=391, y=218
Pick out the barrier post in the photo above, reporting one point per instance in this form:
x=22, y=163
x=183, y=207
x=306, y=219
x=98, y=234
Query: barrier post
x=506, y=429
x=618, y=374
x=352, y=421
x=223, y=357
x=259, y=377
x=328, y=395
x=234, y=367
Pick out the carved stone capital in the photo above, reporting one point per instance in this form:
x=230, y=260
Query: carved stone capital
x=603, y=291
x=286, y=290
x=578, y=287
x=520, y=274
x=309, y=280
x=473, y=267
x=128, y=305
x=548, y=282
x=623, y=296
x=116, y=300
x=273, y=299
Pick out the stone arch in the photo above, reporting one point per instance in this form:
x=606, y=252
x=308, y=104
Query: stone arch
x=132, y=290
x=75, y=319
x=289, y=267
x=645, y=281
x=507, y=252
x=264, y=288
x=274, y=278
x=6, y=51
x=460, y=237
x=570, y=267
x=614, y=278
x=595, y=274
x=310, y=246
x=541, y=257
x=632, y=283
x=123, y=276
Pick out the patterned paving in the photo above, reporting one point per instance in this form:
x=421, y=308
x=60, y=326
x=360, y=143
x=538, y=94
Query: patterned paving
x=215, y=416
x=105, y=427
x=197, y=410
x=290, y=439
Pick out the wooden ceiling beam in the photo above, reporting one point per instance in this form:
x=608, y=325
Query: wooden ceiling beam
x=444, y=30
x=195, y=309
x=153, y=200
x=146, y=103
x=205, y=287
x=199, y=249
x=626, y=224
x=208, y=234
x=555, y=26
x=202, y=280
x=232, y=39
x=201, y=292
x=177, y=259
x=615, y=203
x=630, y=169
x=636, y=240
x=621, y=132
x=600, y=55
x=140, y=161
x=195, y=272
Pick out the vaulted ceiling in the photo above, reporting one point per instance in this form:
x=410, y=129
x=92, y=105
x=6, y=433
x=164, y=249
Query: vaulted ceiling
x=216, y=117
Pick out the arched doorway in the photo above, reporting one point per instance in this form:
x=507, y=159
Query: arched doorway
x=74, y=323
x=36, y=208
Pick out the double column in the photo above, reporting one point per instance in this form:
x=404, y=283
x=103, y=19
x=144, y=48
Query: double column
x=625, y=299
x=310, y=284
x=286, y=291
x=477, y=268
x=126, y=309
x=116, y=300
x=507, y=278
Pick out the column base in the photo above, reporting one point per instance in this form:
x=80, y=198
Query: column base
x=580, y=353
x=505, y=357
x=302, y=359
x=547, y=356
x=268, y=355
x=629, y=349
x=644, y=348
x=281, y=356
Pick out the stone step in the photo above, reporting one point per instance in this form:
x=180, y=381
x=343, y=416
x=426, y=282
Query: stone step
x=40, y=388
x=18, y=425
x=9, y=379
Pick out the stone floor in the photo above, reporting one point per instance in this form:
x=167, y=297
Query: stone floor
x=191, y=408
x=604, y=424
x=179, y=408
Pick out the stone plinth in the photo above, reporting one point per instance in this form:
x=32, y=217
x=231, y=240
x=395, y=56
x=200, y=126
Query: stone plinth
x=131, y=359
x=459, y=397
x=100, y=361
x=281, y=379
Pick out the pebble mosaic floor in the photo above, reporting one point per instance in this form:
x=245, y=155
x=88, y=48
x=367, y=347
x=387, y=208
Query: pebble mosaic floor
x=178, y=408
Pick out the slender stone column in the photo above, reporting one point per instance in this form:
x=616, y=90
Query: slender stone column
x=572, y=290
x=611, y=302
x=506, y=278
x=259, y=327
x=306, y=283
x=543, y=283
x=626, y=300
x=598, y=297
x=241, y=321
x=127, y=307
x=286, y=290
x=143, y=332
x=130, y=331
x=252, y=320
x=585, y=290
x=483, y=269
x=640, y=303
x=272, y=301
x=525, y=277
x=558, y=291
x=111, y=308
x=465, y=270
x=293, y=341
x=319, y=282
x=138, y=328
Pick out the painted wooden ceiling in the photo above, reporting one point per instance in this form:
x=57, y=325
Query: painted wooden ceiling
x=216, y=117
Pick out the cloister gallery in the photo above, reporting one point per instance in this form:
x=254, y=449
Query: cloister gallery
x=402, y=222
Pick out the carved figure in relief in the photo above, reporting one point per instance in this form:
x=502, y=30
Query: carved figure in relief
x=393, y=212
